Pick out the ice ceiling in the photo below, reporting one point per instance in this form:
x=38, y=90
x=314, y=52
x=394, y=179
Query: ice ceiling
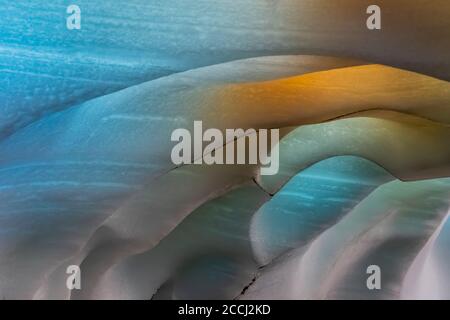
x=86, y=177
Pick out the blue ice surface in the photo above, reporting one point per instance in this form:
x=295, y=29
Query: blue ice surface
x=45, y=67
x=315, y=199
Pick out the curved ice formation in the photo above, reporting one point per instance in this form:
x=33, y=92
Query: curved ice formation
x=311, y=202
x=49, y=68
x=388, y=229
x=220, y=227
x=86, y=176
x=427, y=278
x=146, y=218
x=388, y=138
x=49, y=171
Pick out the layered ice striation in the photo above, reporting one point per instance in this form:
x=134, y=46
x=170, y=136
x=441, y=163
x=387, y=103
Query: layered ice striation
x=86, y=176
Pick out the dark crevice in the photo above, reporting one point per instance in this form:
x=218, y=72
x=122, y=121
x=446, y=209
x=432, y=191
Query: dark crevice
x=260, y=187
